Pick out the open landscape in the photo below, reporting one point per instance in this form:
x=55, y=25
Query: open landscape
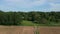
x=29, y=16
x=29, y=22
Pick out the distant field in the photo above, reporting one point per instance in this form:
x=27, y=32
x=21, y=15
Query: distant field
x=29, y=30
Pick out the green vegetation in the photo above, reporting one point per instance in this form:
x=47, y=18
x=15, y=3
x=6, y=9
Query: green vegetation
x=32, y=18
x=10, y=18
x=28, y=23
x=36, y=32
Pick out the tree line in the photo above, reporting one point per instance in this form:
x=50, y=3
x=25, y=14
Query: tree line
x=16, y=18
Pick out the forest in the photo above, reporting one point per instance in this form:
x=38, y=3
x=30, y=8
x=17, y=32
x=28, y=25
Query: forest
x=36, y=17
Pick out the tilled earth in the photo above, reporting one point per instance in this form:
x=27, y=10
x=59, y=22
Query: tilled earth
x=29, y=30
x=16, y=30
x=49, y=30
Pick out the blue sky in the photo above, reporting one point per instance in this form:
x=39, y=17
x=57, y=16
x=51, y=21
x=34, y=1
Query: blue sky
x=30, y=5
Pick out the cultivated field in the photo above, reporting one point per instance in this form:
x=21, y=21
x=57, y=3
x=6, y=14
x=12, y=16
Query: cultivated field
x=29, y=30
x=49, y=30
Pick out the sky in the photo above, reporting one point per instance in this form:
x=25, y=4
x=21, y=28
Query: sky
x=30, y=5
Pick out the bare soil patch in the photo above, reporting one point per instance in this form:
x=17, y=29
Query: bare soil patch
x=16, y=30
x=49, y=30
x=28, y=30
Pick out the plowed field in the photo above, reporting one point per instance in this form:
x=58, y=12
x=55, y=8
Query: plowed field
x=49, y=30
x=29, y=30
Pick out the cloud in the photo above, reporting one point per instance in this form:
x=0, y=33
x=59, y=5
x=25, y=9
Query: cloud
x=55, y=1
x=25, y=3
x=43, y=5
x=38, y=3
x=55, y=7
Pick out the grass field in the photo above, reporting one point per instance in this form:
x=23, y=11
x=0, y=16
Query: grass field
x=28, y=23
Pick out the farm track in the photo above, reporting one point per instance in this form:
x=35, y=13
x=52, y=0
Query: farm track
x=28, y=30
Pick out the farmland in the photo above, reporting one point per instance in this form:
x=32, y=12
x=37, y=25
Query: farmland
x=29, y=22
x=29, y=30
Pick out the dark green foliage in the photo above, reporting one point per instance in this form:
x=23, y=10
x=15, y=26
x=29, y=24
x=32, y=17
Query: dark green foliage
x=43, y=17
x=10, y=18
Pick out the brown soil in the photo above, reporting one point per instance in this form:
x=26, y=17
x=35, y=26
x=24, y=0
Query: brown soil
x=49, y=30
x=16, y=30
x=28, y=30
